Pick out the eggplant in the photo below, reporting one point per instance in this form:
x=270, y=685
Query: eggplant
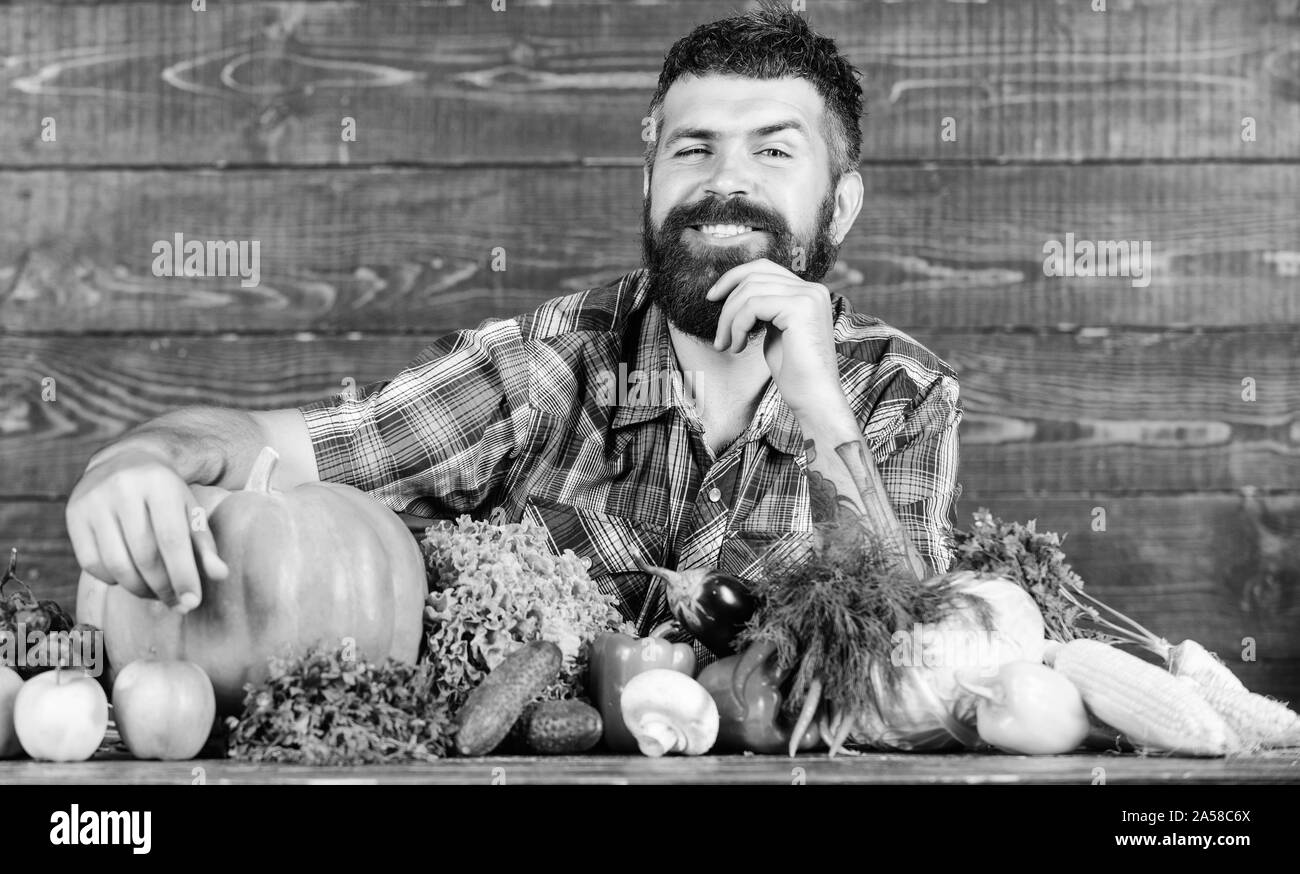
x=711, y=605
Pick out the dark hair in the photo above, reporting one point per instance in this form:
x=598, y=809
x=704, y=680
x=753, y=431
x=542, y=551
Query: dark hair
x=772, y=42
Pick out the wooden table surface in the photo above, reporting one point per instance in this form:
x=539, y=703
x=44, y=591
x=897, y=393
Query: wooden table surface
x=1276, y=767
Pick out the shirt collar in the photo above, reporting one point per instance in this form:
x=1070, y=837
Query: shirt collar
x=648, y=349
x=775, y=422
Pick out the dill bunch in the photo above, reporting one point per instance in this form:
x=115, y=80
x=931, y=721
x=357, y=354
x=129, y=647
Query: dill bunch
x=834, y=617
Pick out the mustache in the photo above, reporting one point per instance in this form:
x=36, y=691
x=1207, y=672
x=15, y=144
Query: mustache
x=723, y=212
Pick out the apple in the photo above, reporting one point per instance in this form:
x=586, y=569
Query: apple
x=10, y=683
x=61, y=715
x=164, y=708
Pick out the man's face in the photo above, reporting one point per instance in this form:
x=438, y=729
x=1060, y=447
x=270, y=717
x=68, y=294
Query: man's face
x=725, y=171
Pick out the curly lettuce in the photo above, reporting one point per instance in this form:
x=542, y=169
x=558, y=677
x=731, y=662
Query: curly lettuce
x=494, y=587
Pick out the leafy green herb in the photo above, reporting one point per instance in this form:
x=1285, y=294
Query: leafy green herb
x=834, y=616
x=493, y=588
x=327, y=709
x=1033, y=559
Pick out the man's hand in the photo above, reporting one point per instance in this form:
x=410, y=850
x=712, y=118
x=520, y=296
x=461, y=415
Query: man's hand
x=129, y=521
x=799, y=345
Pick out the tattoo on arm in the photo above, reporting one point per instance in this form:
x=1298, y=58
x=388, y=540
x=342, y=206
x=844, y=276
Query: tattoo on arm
x=827, y=501
x=858, y=501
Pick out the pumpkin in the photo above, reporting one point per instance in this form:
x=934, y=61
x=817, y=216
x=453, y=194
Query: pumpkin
x=312, y=564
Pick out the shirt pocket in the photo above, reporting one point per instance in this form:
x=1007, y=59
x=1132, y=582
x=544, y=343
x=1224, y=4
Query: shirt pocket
x=608, y=546
x=753, y=553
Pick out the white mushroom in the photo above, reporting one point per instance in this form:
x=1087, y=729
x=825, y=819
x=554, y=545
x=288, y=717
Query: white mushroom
x=668, y=712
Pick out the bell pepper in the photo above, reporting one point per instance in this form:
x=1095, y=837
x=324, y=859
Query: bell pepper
x=617, y=658
x=747, y=689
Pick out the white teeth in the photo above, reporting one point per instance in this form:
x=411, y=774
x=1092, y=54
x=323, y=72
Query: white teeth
x=725, y=230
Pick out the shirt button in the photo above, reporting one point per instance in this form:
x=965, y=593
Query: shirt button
x=586, y=563
x=715, y=494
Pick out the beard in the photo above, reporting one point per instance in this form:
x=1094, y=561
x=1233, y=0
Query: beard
x=680, y=274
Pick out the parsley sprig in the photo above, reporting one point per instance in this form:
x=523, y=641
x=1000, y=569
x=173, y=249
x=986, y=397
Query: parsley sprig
x=1033, y=559
x=326, y=708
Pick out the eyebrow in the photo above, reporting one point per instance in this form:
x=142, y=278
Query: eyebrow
x=703, y=133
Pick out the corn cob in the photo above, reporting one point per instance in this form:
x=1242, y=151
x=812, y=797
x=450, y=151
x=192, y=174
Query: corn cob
x=1150, y=707
x=1259, y=721
x=1190, y=659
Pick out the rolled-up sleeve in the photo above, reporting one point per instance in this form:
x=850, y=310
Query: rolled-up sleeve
x=920, y=476
x=437, y=438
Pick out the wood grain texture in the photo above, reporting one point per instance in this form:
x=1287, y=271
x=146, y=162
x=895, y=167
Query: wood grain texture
x=1044, y=414
x=147, y=83
x=1217, y=568
x=938, y=249
x=818, y=770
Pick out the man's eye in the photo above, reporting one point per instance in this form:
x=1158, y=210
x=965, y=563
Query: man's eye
x=685, y=152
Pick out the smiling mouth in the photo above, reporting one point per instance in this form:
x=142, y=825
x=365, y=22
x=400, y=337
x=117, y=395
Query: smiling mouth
x=726, y=232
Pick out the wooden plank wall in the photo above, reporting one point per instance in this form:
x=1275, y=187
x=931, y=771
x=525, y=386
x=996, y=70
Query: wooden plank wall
x=1172, y=122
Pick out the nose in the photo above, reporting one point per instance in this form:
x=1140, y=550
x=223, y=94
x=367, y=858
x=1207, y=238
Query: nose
x=732, y=174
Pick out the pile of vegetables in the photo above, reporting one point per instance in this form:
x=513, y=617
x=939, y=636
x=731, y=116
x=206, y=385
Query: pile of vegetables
x=863, y=642
x=314, y=563
x=495, y=592
x=337, y=639
x=1197, y=706
x=495, y=586
x=828, y=642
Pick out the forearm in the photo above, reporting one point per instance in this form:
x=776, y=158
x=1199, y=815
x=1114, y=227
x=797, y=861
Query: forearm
x=204, y=445
x=844, y=484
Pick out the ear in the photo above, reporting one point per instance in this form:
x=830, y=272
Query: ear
x=645, y=181
x=848, y=203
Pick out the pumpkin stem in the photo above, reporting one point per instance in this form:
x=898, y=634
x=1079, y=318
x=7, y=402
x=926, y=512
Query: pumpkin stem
x=259, y=478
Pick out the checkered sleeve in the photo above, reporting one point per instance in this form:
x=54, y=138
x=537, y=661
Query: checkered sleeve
x=438, y=437
x=920, y=477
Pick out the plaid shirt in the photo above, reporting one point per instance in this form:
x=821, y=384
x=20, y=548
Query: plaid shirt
x=545, y=415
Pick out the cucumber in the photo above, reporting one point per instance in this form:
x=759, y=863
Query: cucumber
x=494, y=706
x=561, y=727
